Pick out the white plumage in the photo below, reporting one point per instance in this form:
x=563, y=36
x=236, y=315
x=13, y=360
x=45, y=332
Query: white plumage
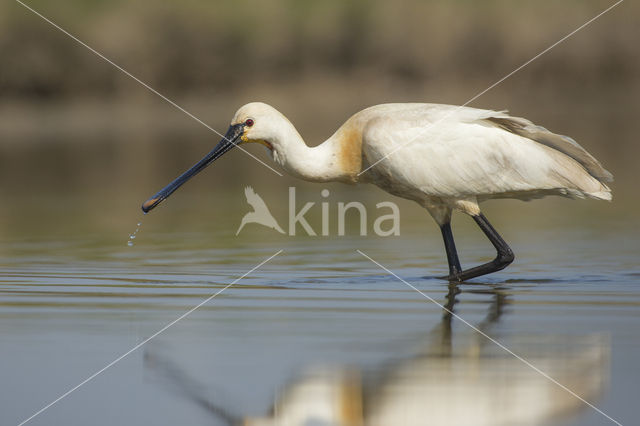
x=463, y=153
x=443, y=157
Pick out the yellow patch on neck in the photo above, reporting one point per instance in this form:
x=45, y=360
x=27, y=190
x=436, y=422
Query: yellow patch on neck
x=350, y=152
x=245, y=139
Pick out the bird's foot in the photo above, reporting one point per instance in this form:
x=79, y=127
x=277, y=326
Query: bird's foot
x=500, y=262
x=454, y=278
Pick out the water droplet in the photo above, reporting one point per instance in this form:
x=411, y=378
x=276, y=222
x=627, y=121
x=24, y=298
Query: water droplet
x=133, y=236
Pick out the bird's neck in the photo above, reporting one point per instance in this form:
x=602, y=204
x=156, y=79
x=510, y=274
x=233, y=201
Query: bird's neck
x=339, y=158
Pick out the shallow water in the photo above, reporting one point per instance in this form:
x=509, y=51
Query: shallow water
x=320, y=329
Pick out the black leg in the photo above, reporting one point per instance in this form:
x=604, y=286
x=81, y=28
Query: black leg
x=450, y=248
x=503, y=258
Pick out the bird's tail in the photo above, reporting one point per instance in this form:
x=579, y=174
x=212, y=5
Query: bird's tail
x=605, y=194
x=589, y=187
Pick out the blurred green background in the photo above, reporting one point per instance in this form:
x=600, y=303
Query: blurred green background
x=82, y=145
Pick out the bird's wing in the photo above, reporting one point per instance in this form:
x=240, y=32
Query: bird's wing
x=254, y=199
x=426, y=115
x=456, y=152
x=525, y=128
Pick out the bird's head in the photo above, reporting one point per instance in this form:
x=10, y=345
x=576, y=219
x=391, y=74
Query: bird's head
x=254, y=122
x=260, y=122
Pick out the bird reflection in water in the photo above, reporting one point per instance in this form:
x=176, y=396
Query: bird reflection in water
x=454, y=380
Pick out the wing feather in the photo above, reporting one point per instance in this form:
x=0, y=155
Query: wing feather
x=446, y=151
x=525, y=128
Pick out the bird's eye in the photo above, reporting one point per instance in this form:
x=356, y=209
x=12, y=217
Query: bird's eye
x=248, y=122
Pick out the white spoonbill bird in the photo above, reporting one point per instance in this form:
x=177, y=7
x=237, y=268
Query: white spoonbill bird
x=444, y=157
